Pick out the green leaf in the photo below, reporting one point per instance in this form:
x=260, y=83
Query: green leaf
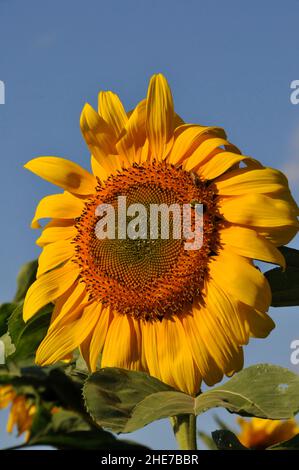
x=26, y=277
x=124, y=401
x=285, y=284
x=264, y=390
x=16, y=323
x=159, y=405
x=226, y=440
x=67, y=430
x=65, y=421
x=25, y=381
x=291, y=444
x=41, y=420
x=67, y=390
x=28, y=336
x=5, y=312
x=291, y=256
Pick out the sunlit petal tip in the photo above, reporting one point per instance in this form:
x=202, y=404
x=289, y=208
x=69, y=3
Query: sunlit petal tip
x=27, y=165
x=89, y=117
x=111, y=109
x=159, y=114
x=64, y=173
x=35, y=225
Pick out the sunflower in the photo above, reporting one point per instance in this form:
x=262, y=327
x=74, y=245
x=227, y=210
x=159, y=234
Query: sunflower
x=21, y=413
x=150, y=304
x=258, y=434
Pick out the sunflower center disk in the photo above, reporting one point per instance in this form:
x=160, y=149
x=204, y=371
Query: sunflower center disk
x=141, y=266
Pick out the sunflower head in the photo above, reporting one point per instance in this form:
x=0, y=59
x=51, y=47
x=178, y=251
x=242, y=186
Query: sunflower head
x=22, y=410
x=258, y=434
x=147, y=278
x=145, y=302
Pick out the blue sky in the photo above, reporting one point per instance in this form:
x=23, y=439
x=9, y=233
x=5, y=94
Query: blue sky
x=229, y=64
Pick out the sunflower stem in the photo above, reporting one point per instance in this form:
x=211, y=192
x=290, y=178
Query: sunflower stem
x=184, y=428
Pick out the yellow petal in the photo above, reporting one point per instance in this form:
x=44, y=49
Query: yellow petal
x=259, y=323
x=98, y=170
x=258, y=210
x=112, y=111
x=208, y=368
x=278, y=235
x=84, y=349
x=159, y=115
x=61, y=206
x=178, y=121
x=53, y=255
x=262, y=433
x=113, y=164
x=61, y=341
x=55, y=234
x=99, y=335
x=228, y=311
x=134, y=132
x=60, y=223
x=64, y=173
x=176, y=364
x=188, y=137
x=217, y=339
x=249, y=243
x=243, y=181
x=150, y=348
x=203, y=151
x=66, y=306
x=144, y=153
x=238, y=277
x=48, y=288
x=287, y=197
x=220, y=162
x=97, y=133
x=122, y=346
x=7, y=394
